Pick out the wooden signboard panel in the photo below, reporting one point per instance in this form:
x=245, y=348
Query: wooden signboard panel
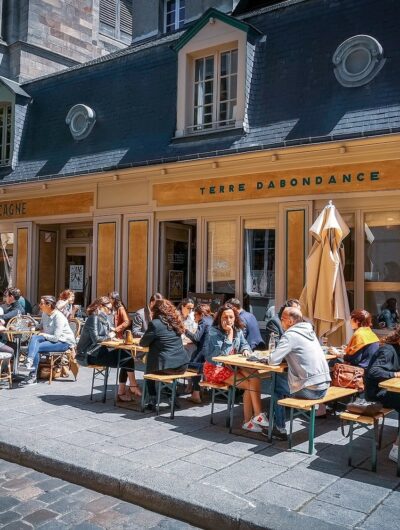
x=39, y=207
x=330, y=179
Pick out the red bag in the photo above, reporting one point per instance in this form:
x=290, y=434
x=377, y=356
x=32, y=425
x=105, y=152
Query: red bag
x=216, y=374
x=348, y=376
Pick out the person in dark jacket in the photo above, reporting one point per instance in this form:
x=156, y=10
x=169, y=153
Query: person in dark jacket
x=273, y=324
x=364, y=343
x=251, y=330
x=204, y=320
x=13, y=308
x=385, y=364
x=164, y=339
x=97, y=329
x=142, y=317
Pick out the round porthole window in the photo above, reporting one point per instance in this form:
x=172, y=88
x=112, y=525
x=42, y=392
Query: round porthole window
x=80, y=120
x=358, y=60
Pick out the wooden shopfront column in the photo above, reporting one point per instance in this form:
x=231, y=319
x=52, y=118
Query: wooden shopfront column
x=23, y=265
x=135, y=271
x=106, y=262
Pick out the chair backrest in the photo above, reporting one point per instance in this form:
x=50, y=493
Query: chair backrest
x=21, y=323
x=75, y=325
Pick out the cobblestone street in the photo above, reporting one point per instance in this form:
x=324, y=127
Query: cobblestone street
x=29, y=499
x=184, y=467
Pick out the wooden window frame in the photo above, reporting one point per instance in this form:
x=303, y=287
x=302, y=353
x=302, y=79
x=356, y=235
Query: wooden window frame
x=178, y=22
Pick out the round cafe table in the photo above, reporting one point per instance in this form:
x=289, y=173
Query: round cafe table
x=16, y=336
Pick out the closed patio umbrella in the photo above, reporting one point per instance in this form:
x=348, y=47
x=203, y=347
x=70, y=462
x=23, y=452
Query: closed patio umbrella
x=324, y=297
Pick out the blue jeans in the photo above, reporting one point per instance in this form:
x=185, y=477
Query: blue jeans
x=38, y=345
x=281, y=391
x=306, y=393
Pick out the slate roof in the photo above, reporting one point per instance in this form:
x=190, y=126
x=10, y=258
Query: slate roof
x=294, y=97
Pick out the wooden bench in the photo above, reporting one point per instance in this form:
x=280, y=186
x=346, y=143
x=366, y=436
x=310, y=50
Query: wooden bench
x=221, y=390
x=308, y=405
x=168, y=381
x=366, y=421
x=100, y=372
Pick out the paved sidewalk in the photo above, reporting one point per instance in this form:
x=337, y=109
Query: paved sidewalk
x=190, y=470
x=30, y=500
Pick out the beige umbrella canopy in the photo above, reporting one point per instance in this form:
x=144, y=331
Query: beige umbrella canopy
x=324, y=297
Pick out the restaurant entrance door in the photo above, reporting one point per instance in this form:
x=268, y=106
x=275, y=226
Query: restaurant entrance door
x=177, y=273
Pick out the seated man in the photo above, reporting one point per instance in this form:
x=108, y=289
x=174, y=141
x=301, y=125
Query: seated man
x=13, y=308
x=142, y=317
x=251, y=329
x=308, y=371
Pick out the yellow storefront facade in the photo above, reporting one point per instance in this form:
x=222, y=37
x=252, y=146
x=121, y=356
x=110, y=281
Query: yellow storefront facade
x=234, y=225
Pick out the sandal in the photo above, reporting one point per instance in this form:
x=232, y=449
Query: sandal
x=136, y=390
x=123, y=397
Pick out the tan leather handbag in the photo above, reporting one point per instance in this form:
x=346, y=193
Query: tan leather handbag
x=348, y=376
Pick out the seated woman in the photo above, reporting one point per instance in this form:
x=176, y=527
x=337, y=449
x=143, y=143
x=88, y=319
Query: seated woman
x=364, y=343
x=226, y=338
x=97, y=329
x=56, y=336
x=385, y=364
x=122, y=322
x=389, y=315
x=164, y=339
x=65, y=304
x=204, y=320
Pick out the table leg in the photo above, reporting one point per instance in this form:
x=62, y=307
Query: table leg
x=16, y=355
x=117, y=378
x=311, y=431
x=233, y=399
x=271, y=407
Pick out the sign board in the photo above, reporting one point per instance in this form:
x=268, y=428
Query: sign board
x=214, y=300
x=52, y=205
x=330, y=179
x=76, y=277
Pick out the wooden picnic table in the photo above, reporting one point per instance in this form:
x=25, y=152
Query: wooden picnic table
x=391, y=385
x=240, y=361
x=120, y=344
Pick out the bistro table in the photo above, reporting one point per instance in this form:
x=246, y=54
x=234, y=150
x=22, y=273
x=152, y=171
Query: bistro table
x=240, y=361
x=16, y=336
x=119, y=344
x=393, y=385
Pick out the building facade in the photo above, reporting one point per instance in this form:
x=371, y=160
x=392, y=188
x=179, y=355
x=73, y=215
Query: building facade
x=197, y=159
x=39, y=37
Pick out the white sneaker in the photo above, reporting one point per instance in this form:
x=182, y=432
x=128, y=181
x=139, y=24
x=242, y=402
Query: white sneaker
x=261, y=420
x=29, y=363
x=394, y=453
x=251, y=426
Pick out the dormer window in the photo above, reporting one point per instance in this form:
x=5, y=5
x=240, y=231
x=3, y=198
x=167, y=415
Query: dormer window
x=5, y=133
x=212, y=62
x=174, y=15
x=215, y=91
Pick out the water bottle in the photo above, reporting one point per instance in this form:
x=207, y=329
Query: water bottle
x=272, y=342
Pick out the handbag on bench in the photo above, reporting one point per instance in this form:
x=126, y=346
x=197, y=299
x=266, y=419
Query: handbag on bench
x=348, y=376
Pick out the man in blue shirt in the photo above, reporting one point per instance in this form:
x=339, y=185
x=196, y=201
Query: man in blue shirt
x=251, y=330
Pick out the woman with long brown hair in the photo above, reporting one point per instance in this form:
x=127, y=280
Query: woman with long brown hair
x=97, y=329
x=164, y=339
x=226, y=338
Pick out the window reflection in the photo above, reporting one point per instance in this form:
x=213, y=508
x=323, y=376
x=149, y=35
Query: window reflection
x=382, y=267
x=259, y=266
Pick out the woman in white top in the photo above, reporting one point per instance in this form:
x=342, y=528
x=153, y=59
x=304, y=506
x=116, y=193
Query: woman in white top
x=56, y=336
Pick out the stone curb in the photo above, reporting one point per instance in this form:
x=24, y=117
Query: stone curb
x=201, y=505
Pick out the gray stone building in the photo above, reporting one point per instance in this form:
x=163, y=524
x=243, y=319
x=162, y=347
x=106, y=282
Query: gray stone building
x=39, y=37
